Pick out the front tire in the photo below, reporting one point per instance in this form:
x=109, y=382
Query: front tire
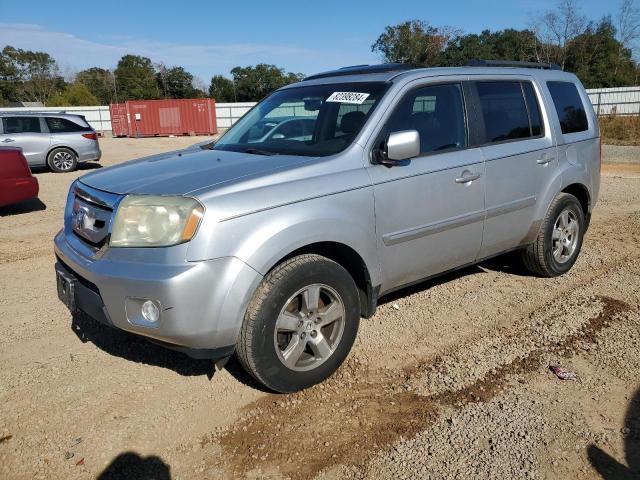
x=300, y=324
x=62, y=160
x=559, y=240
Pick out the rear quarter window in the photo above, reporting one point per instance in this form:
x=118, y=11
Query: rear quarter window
x=63, y=125
x=569, y=106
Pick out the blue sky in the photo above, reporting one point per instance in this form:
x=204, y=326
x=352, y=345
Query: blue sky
x=211, y=37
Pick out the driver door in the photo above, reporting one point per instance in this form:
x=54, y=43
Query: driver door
x=429, y=209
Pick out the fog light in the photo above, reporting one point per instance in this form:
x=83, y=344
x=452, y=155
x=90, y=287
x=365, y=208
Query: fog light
x=150, y=311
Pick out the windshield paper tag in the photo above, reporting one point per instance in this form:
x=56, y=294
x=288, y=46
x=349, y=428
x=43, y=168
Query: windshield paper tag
x=348, y=97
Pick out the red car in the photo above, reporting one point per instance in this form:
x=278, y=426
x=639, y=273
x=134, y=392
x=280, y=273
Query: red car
x=16, y=182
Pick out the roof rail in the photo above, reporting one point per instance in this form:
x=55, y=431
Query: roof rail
x=359, y=69
x=475, y=62
x=6, y=110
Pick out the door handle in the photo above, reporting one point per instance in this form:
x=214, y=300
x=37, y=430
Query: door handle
x=544, y=159
x=469, y=177
x=7, y=140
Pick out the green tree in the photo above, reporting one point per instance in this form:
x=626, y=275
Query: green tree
x=9, y=78
x=599, y=59
x=28, y=76
x=506, y=44
x=254, y=83
x=100, y=83
x=176, y=82
x=76, y=94
x=136, y=79
x=414, y=42
x=222, y=89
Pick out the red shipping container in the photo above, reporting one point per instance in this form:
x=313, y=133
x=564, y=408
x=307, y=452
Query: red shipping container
x=147, y=118
x=119, y=121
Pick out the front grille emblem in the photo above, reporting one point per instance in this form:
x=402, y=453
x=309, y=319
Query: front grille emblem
x=79, y=220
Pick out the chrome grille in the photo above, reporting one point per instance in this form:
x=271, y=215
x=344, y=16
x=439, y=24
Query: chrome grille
x=88, y=217
x=90, y=221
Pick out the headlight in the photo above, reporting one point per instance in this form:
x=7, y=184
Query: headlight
x=155, y=221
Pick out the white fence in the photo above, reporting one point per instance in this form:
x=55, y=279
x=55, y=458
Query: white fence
x=229, y=113
x=606, y=101
x=615, y=101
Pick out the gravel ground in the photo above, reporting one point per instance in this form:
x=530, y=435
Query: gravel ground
x=449, y=379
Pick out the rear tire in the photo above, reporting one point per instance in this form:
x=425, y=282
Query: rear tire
x=62, y=160
x=559, y=239
x=300, y=324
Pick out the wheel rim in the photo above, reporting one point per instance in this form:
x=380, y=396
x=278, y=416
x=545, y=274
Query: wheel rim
x=565, y=236
x=309, y=327
x=62, y=160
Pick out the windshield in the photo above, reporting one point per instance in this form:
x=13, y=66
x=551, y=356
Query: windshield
x=314, y=121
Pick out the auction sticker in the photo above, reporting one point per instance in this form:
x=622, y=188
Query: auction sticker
x=348, y=97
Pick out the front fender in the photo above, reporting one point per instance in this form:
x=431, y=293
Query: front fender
x=263, y=238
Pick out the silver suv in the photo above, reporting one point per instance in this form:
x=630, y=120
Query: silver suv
x=274, y=243
x=57, y=140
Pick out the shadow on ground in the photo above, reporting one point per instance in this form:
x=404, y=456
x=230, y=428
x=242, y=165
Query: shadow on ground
x=429, y=283
x=136, y=349
x=131, y=466
x=509, y=263
x=81, y=167
x=610, y=468
x=28, y=206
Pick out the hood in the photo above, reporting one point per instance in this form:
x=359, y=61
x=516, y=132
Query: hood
x=184, y=171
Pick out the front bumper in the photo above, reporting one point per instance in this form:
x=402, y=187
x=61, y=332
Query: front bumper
x=202, y=303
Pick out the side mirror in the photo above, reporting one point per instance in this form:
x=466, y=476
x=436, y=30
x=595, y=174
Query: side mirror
x=400, y=146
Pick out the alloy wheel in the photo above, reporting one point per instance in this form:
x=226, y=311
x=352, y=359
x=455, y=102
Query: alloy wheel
x=309, y=327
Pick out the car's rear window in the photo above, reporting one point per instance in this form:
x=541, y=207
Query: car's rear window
x=64, y=125
x=21, y=125
x=569, y=106
x=504, y=111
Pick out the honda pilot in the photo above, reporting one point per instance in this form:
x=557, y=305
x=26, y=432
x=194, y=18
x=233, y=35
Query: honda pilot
x=273, y=242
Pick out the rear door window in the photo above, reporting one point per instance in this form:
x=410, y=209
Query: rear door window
x=504, y=111
x=569, y=107
x=21, y=125
x=64, y=125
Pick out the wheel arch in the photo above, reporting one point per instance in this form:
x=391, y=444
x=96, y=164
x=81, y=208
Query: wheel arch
x=56, y=147
x=581, y=192
x=351, y=261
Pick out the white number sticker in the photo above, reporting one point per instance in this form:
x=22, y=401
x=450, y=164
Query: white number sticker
x=348, y=97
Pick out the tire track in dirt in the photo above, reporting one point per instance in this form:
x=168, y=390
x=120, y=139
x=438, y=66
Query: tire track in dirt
x=360, y=411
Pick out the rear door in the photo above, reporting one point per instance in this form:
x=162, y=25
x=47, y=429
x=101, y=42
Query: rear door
x=520, y=157
x=66, y=132
x=29, y=134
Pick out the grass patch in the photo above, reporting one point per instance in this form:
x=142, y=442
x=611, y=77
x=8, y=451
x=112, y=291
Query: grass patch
x=620, y=130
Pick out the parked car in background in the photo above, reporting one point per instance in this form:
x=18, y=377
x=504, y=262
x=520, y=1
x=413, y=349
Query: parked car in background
x=273, y=241
x=16, y=182
x=57, y=140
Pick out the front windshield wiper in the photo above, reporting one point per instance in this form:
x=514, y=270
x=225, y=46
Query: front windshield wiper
x=257, y=151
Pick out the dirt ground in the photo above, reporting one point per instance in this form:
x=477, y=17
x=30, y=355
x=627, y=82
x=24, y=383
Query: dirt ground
x=449, y=379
